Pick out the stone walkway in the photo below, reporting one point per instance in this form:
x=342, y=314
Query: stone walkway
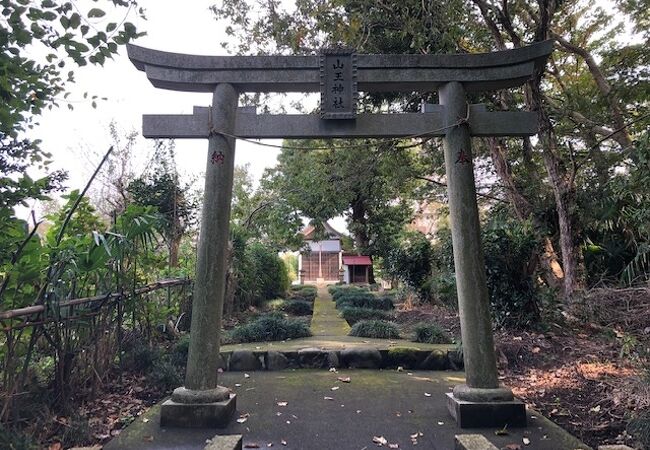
x=315, y=410
x=326, y=320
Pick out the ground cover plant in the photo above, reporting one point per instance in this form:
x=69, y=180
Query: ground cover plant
x=293, y=307
x=269, y=327
x=365, y=300
x=430, y=333
x=353, y=314
x=378, y=329
x=303, y=292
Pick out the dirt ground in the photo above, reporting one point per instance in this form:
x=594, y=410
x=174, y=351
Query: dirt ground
x=586, y=374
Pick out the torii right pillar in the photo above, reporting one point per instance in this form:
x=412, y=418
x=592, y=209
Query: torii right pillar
x=481, y=402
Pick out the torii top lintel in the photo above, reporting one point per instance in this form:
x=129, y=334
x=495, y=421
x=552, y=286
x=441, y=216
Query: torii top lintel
x=376, y=73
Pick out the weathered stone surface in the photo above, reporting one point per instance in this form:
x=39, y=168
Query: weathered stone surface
x=184, y=395
x=268, y=126
x=312, y=358
x=472, y=442
x=333, y=360
x=470, y=394
x=614, y=447
x=408, y=358
x=361, y=358
x=197, y=415
x=275, y=361
x=244, y=360
x=436, y=360
x=496, y=70
x=487, y=414
x=225, y=442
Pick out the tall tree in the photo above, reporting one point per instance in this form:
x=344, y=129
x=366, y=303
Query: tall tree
x=594, y=86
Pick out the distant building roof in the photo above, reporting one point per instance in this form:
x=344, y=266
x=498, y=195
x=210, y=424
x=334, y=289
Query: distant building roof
x=308, y=232
x=357, y=261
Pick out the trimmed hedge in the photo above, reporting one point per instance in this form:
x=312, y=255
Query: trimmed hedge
x=303, y=292
x=379, y=329
x=365, y=300
x=338, y=290
x=430, y=333
x=270, y=327
x=354, y=314
x=297, y=307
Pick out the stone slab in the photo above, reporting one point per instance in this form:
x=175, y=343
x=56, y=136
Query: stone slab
x=375, y=403
x=487, y=414
x=225, y=442
x=295, y=126
x=197, y=415
x=496, y=70
x=472, y=442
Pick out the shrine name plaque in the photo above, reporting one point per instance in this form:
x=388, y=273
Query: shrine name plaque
x=338, y=83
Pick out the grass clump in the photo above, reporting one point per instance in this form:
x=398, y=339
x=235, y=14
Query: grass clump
x=292, y=307
x=305, y=292
x=297, y=307
x=338, y=290
x=379, y=329
x=430, y=333
x=365, y=300
x=355, y=314
x=270, y=327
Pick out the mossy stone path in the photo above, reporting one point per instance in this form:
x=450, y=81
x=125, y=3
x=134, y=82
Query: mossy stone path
x=326, y=320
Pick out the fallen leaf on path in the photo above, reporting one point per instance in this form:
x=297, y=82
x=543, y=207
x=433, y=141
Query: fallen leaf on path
x=283, y=403
x=512, y=447
x=270, y=444
x=252, y=445
x=441, y=423
x=283, y=442
x=502, y=432
x=246, y=375
x=243, y=418
x=393, y=445
x=328, y=398
x=55, y=446
x=344, y=379
x=426, y=394
x=526, y=441
x=335, y=388
x=333, y=369
x=148, y=438
x=379, y=440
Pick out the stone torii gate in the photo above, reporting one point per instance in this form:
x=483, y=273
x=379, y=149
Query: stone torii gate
x=339, y=74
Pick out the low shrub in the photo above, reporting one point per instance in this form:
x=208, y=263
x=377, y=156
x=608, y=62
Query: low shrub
x=140, y=357
x=354, y=314
x=297, y=307
x=366, y=300
x=379, y=329
x=293, y=307
x=178, y=353
x=338, y=290
x=430, y=333
x=165, y=375
x=270, y=327
x=303, y=292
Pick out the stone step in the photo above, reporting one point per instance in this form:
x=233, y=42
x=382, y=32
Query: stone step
x=352, y=358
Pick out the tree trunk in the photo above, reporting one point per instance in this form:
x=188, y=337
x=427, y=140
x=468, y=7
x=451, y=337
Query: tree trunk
x=174, y=245
x=360, y=232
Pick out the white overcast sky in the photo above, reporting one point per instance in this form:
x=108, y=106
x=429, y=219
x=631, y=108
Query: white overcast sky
x=76, y=138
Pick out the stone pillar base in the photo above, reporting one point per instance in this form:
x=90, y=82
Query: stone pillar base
x=487, y=414
x=198, y=415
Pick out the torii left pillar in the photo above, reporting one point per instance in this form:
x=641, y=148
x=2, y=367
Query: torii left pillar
x=201, y=402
